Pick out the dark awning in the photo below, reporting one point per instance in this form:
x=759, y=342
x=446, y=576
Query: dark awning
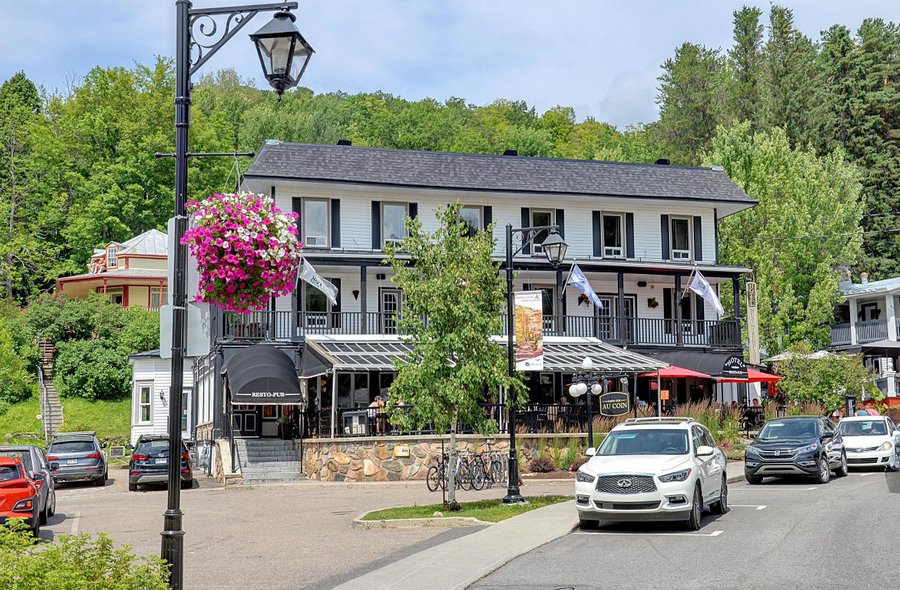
x=262, y=374
x=312, y=364
x=711, y=363
x=566, y=354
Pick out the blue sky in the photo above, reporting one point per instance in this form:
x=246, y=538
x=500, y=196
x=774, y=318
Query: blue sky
x=601, y=57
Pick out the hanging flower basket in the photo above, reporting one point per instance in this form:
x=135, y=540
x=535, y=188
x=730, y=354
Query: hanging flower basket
x=247, y=250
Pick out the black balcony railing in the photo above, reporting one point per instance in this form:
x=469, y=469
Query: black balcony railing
x=286, y=325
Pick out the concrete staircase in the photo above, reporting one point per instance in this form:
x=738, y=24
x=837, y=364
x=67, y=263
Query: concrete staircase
x=51, y=409
x=267, y=460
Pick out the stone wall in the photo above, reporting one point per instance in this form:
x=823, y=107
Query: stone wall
x=396, y=458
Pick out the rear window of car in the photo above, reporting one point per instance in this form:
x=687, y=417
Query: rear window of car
x=23, y=456
x=72, y=446
x=152, y=446
x=8, y=473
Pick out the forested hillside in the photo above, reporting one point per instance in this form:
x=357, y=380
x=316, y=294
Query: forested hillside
x=808, y=126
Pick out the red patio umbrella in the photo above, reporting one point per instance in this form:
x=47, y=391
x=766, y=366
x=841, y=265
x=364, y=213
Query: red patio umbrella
x=753, y=376
x=673, y=372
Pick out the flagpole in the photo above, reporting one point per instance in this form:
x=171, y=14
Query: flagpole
x=687, y=285
x=566, y=283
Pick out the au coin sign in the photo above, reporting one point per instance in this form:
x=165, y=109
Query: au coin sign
x=614, y=403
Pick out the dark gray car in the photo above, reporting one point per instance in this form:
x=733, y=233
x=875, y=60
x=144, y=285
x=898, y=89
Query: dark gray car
x=80, y=457
x=38, y=469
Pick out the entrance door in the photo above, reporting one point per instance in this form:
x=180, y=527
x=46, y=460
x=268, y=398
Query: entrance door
x=244, y=421
x=391, y=302
x=269, y=426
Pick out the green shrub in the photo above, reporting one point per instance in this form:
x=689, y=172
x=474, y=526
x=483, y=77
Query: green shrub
x=73, y=562
x=541, y=465
x=140, y=331
x=570, y=455
x=578, y=463
x=92, y=369
x=16, y=382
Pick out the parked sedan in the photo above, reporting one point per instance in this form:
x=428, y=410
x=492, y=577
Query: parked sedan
x=150, y=462
x=37, y=469
x=80, y=457
x=18, y=495
x=871, y=441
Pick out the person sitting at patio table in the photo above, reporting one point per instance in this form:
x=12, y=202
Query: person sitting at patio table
x=377, y=407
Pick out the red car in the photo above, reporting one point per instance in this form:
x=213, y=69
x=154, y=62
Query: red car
x=18, y=494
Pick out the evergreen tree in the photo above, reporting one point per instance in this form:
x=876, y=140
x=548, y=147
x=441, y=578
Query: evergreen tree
x=745, y=59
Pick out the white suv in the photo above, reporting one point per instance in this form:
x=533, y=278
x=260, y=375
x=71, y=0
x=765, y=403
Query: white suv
x=652, y=469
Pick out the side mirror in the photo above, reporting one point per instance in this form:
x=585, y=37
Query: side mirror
x=827, y=435
x=104, y=444
x=54, y=466
x=37, y=475
x=897, y=434
x=591, y=452
x=705, y=451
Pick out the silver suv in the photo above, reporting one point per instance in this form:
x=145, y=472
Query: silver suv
x=80, y=456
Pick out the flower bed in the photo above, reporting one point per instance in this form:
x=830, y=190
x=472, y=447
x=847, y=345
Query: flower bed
x=247, y=250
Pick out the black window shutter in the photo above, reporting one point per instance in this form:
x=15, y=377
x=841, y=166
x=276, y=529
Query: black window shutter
x=297, y=207
x=667, y=309
x=337, y=283
x=701, y=309
x=561, y=222
x=598, y=229
x=413, y=210
x=629, y=235
x=376, y=225
x=488, y=216
x=698, y=238
x=335, y=223
x=664, y=228
x=526, y=222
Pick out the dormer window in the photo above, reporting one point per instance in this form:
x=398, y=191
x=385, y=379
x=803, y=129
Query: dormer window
x=112, y=260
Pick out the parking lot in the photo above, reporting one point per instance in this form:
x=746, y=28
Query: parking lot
x=293, y=536
x=788, y=533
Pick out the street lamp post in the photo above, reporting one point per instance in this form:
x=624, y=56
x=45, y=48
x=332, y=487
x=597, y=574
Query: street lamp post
x=555, y=249
x=284, y=55
x=583, y=382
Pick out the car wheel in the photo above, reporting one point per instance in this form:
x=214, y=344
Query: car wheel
x=43, y=517
x=824, y=474
x=753, y=480
x=842, y=470
x=721, y=506
x=186, y=485
x=132, y=487
x=586, y=524
x=693, y=522
x=51, y=510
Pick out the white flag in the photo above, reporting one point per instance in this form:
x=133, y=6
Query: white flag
x=580, y=282
x=309, y=275
x=701, y=287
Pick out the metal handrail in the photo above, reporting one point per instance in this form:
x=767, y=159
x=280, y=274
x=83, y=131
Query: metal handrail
x=44, y=404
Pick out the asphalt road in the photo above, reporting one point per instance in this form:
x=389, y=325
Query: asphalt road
x=785, y=534
x=275, y=537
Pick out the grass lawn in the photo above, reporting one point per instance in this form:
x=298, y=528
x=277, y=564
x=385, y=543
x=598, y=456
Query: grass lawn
x=486, y=510
x=110, y=419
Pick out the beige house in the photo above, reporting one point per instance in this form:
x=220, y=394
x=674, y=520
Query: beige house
x=131, y=273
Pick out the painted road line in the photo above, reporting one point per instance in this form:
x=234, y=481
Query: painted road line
x=867, y=474
x=75, y=522
x=755, y=506
x=642, y=534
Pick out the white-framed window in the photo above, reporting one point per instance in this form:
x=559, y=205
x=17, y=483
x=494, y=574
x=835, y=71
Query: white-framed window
x=158, y=297
x=681, y=238
x=144, y=403
x=541, y=217
x=112, y=257
x=473, y=217
x=116, y=295
x=393, y=222
x=316, y=228
x=613, y=235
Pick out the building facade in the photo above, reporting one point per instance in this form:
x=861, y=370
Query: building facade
x=637, y=231
x=131, y=273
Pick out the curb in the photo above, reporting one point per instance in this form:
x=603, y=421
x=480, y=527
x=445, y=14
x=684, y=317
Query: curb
x=411, y=523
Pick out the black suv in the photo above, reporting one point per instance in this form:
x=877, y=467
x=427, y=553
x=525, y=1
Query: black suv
x=797, y=445
x=150, y=462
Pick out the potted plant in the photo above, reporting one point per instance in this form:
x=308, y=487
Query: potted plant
x=286, y=426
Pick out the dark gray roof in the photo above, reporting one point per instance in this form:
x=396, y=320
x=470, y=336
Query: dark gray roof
x=335, y=163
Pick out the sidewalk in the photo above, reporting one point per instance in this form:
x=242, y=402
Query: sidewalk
x=484, y=551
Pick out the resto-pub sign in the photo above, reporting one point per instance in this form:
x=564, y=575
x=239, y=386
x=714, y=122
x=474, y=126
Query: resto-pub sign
x=614, y=403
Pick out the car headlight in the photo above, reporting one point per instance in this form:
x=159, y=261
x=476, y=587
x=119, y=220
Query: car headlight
x=583, y=477
x=677, y=476
x=886, y=446
x=751, y=450
x=808, y=449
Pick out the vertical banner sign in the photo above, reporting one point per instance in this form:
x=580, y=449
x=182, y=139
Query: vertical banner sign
x=752, y=324
x=529, y=322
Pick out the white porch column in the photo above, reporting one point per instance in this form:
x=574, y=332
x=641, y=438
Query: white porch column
x=853, y=312
x=889, y=315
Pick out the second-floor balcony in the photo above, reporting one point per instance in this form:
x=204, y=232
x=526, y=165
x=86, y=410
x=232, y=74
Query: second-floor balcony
x=868, y=331
x=286, y=325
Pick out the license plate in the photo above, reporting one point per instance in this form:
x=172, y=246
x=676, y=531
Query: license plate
x=160, y=461
x=71, y=461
